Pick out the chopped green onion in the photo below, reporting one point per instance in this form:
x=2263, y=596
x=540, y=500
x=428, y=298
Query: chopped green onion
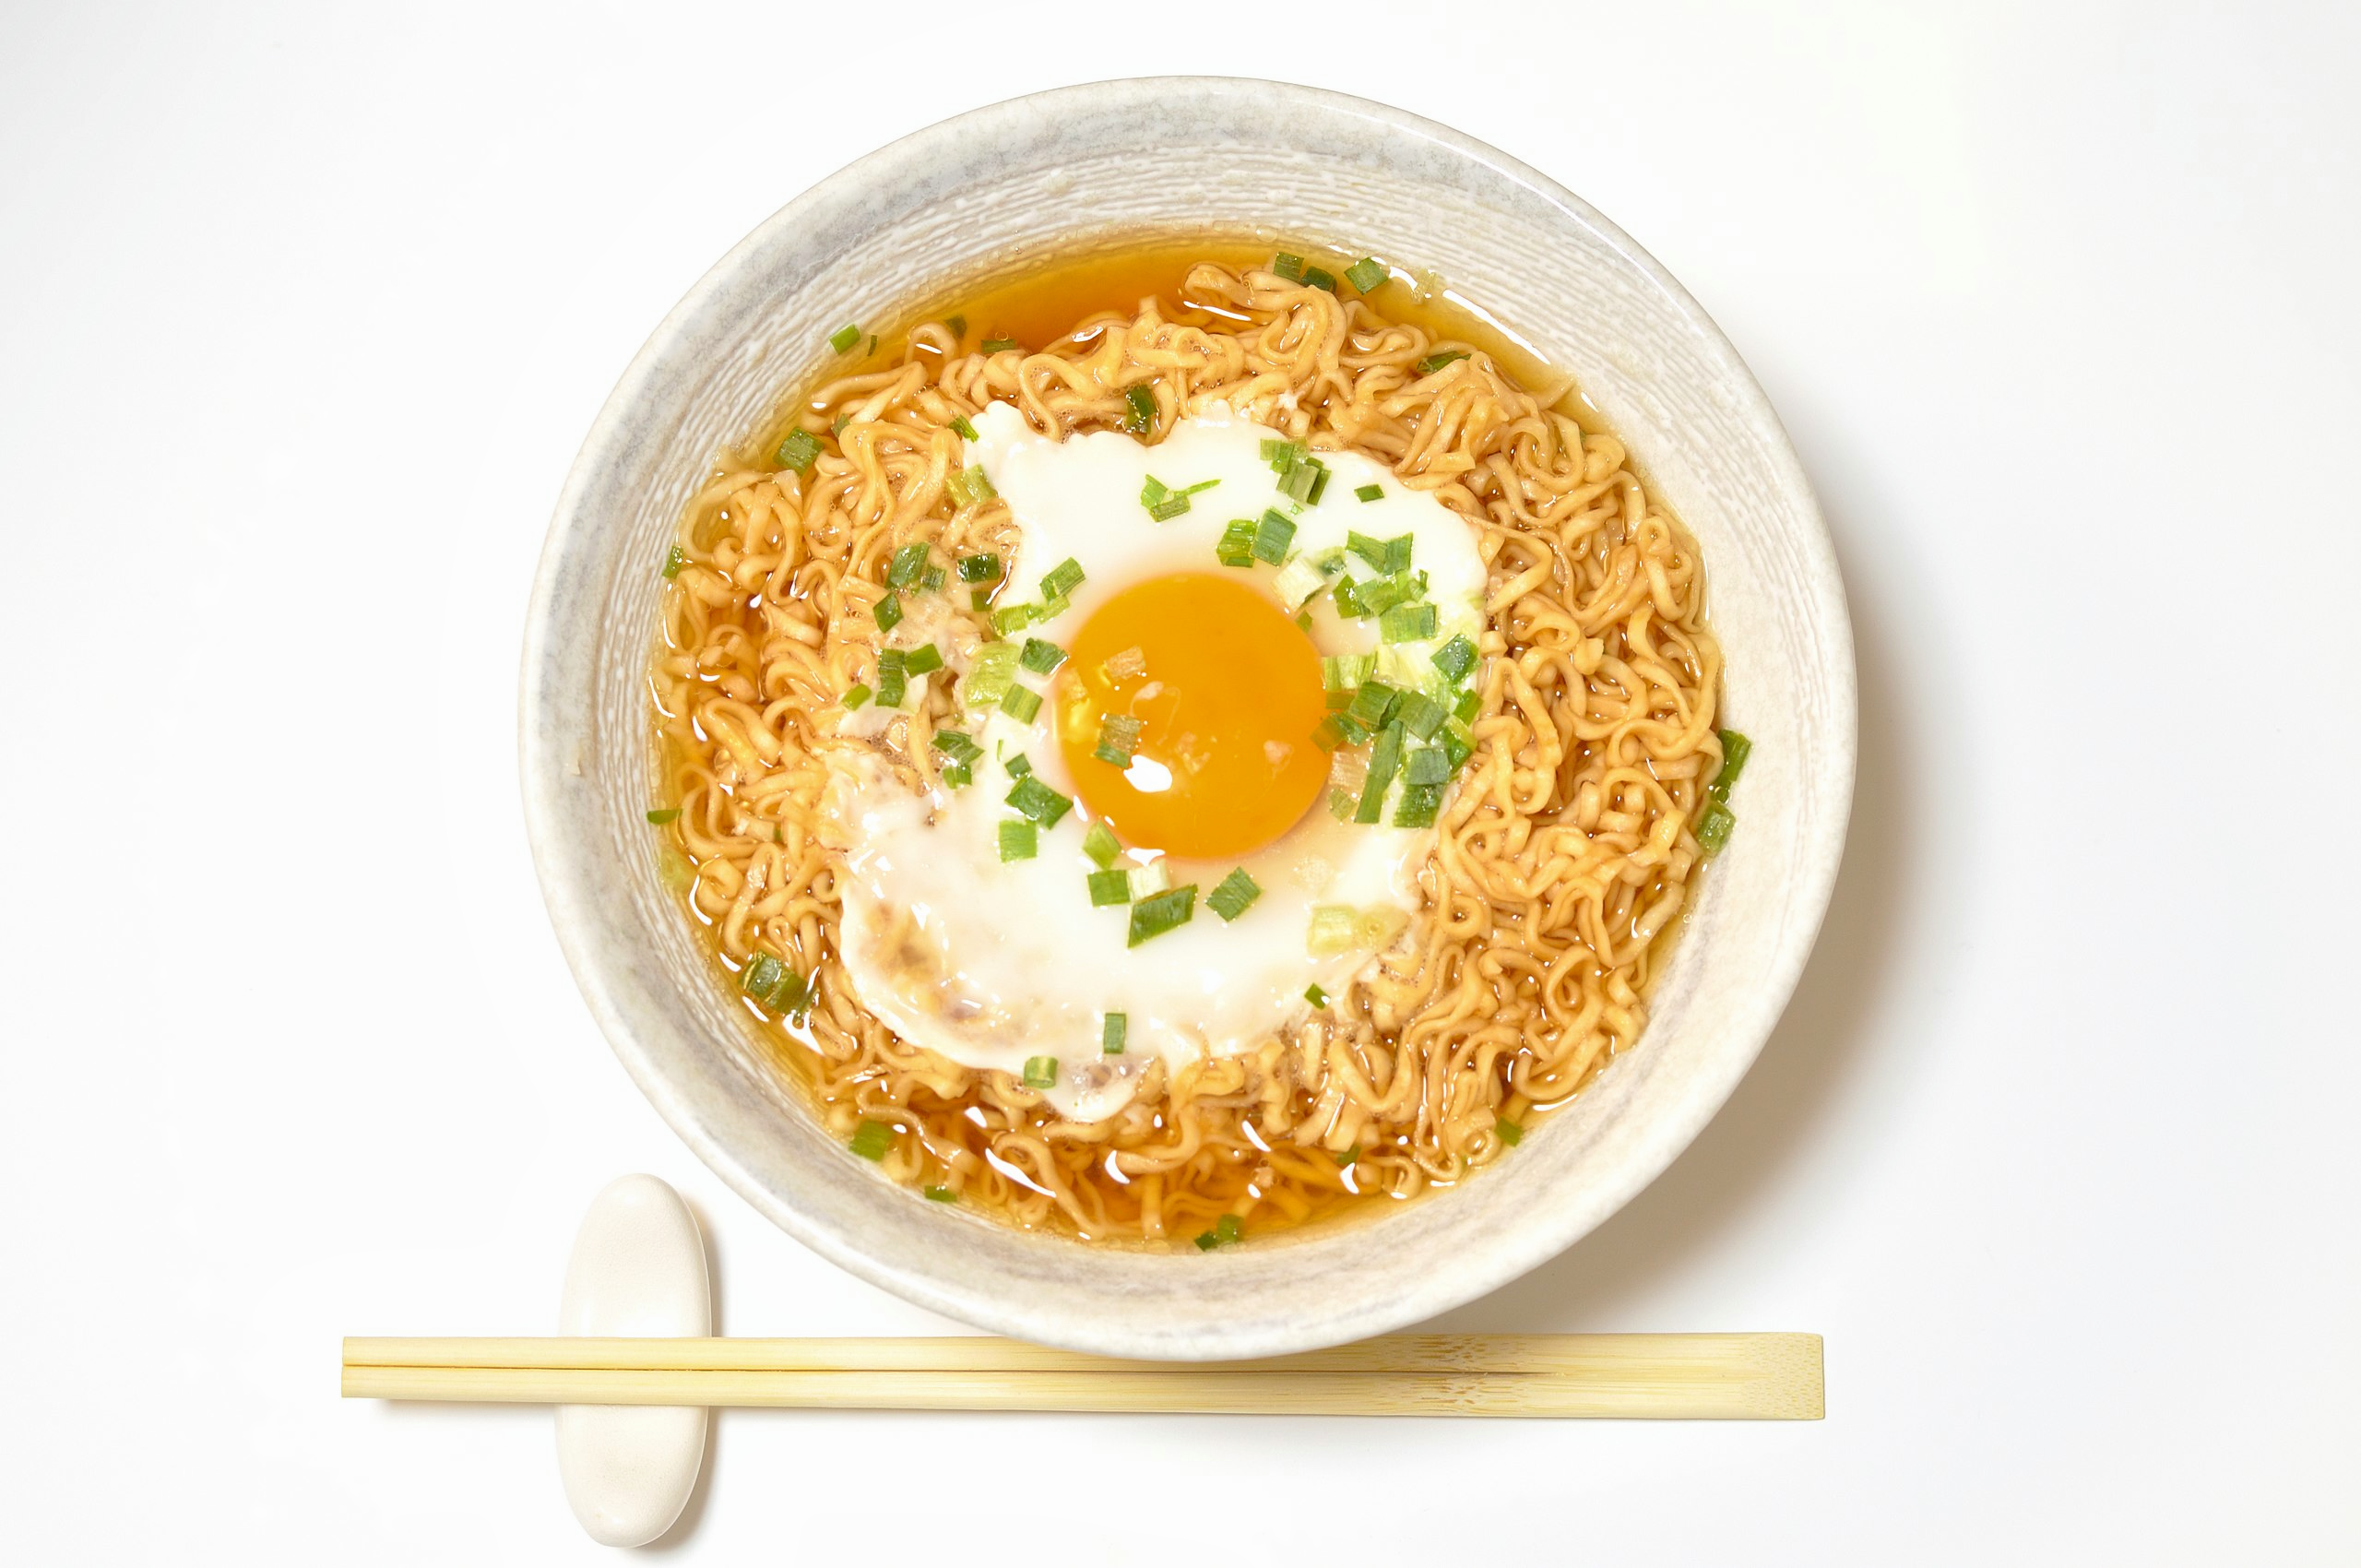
x=1329, y=735
x=844, y=337
x=1382, y=594
x=1455, y=659
x=1236, y=546
x=1319, y=277
x=674, y=559
x=1119, y=738
x=932, y=579
x=1149, y=879
x=1281, y=453
x=1041, y=656
x=1018, y=766
x=969, y=486
x=856, y=694
x=890, y=681
x=1166, y=911
x=664, y=815
x=1019, y=841
x=1410, y=624
x=888, y=611
x=1271, y=536
x=1316, y=996
x=873, y=342
x=958, y=324
x=1370, y=492
x=1303, y=622
x=1299, y=582
x=1347, y=602
x=966, y=428
x=907, y=566
x=1510, y=1133
x=995, y=345
x=1469, y=705
x=1341, y=804
x=1100, y=844
x=1010, y=619
x=1114, y=1032
x=941, y=1195
x=988, y=678
x=1365, y=274
x=871, y=1140
x=958, y=775
x=1435, y=363
x=1038, y=801
x=1713, y=824
x=1334, y=929
x=1112, y=885
x=1344, y=1160
x=1735, y=749
x=1425, y=765
x=837, y=425
x=1288, y=267
x=1304, y=481
x=1384, y=757
x=1040, y=1072
x=979, y=599
x=980, y=569
x=1457, y=744
x=1141, y=417
x=1021, y=702
x=1343, y=671
x=1421, y=715
x=1419, y=804
x=1234, y=895
x=958, y=745
x=1061, y=580
x=1371, y=703
x=771, y=982
x=923, y=660
x=799, y=451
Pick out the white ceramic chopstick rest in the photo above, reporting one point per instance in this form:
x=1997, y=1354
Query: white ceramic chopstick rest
x=637, y=1269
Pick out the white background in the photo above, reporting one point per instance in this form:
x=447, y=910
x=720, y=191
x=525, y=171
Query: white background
x=303, y=312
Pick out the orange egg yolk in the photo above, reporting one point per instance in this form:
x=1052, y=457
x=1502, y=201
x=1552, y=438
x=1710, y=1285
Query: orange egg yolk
x=1226, y=690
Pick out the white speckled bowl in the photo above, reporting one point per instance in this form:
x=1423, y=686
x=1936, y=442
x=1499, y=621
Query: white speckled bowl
x=1182, y=153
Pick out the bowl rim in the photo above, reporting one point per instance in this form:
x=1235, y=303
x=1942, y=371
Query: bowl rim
x=566, y=882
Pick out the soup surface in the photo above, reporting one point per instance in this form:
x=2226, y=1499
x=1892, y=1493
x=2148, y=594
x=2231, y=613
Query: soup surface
x=1187, y=739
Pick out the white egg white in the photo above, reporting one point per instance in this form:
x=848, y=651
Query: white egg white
x=993, y=963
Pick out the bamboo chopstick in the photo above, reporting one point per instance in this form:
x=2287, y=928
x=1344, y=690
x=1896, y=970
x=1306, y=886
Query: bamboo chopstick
x=1673, y=1376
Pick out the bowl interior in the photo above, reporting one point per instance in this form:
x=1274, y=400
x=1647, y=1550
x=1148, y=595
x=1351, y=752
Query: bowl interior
x=1188, y=154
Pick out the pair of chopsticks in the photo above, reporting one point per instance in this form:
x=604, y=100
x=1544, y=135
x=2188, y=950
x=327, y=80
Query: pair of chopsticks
x=1664, y=1376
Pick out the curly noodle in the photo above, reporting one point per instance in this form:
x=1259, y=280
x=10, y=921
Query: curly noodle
x=1561, y=861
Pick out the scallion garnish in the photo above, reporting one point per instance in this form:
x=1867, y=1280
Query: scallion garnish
x=1409, y=624
x=1236, y=546
x=907, y=566
x=1166, y=911
x=958, y=775
x=1419, y=804
x=1425, y=765
x=988, y=678
x=979, y=599
x=1141, y=417
x=888, y=611
x=1319, y=277
x=980, y=569
x=958, y=324
x=1735, y=749
x=664, y=815
x=1061, y=580
x=1112, y=885
x=941, y=1195
x=958, y=745
x=932, y=579
x=1382, y=594
x=1508, y=1131
x=1365, y=274
x=1435, y=363
x=1384, y=757
x=1288, y=267
x=1041, y=656
x=769, y=981
x=674, y=559
x=844, y=337
x=1421, y=715
x=1010, y=619
x=1019, y=841
x=1469, y=705
x=1119, y=738
x=1344, y=1160
x=995, y=345
x=1233, y=895
x=1100, y=844
x=961, y=423
x=1457, y=744
x=1038, y=801
x=1304, y=482
x=1370, y=492
x=1040, y=1072
x=1225, y=1230
x=1316, y=996
x=1343, y=671
x=1329, y=735
x=871, y=1140
x=1164, y=503
x=1455, y=659
x=856, y=694
x=1348, y=599
x=1713, y=824
x=891, y=684
x=969, y=486
x=837, y=425
x=799, y=451
x=1273, y=533
x=1371, y=703
x=1112, y=1032
x=873, y=342
x=923, y=660
x=1021, y=702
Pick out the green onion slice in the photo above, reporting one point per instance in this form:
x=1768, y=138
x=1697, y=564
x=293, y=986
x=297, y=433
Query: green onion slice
x=941, y=1195
x=1343, y=671
x=1038, y=801
x=1425, y=765
x=1421, y=715
x=1435, y=363
x=1510, y=1133
x=1061, y=580
x=1100, y=844
x=1419, y=805
x=1316, y=996
x=1041, y=656
x=1119, y=739
x=1319, y=277
x=1409, y=624
x=1236, y=546
x=1370, y=492
x=1469, y=705
x=1021, y=702
x=995, y=345
x=1455, y=658
x=923, y=660
x=980, y=569
x=844, y=337
x=1365, y=274
x=1040, y=1072
x=1112, y=1031
x=958, y=745
x=871, y=1140
x=966, y=427
x=1735, y=749
x=1019, y=841
x=958, y=324
x=674, y=559
x=1234, y=895
x=888, y=611
x=1108, y=887
x=988, y=678
x=1273, y=533
x=1288, y=265
x=1141, y=417
x=1165, y=911
x=1713, y=824
x=890, y=684
x=907, y=566
x=799, y=451
x=1384, y=757
x=856, y=694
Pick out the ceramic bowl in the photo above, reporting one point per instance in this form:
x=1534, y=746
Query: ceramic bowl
x=1188, y=154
